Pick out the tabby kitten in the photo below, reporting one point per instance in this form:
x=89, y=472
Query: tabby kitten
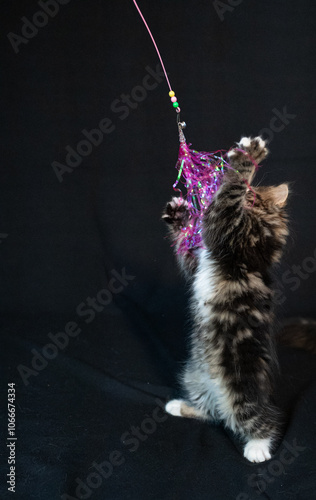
x=229, y=376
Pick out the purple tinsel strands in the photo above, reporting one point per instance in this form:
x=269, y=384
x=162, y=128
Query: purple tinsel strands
x=201, y=173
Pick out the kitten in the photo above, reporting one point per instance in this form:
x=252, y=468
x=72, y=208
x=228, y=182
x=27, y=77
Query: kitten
x=229, y=376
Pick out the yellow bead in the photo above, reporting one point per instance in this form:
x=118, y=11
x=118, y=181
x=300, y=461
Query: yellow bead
x=171, y=93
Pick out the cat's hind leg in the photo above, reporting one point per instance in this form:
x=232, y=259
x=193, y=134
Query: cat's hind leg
x=200, y=394
x=261, y=438
x=261, y=431
x=258, y=450
x=180, y=408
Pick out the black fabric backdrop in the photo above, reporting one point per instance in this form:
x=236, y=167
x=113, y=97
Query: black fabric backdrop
x=236, y=67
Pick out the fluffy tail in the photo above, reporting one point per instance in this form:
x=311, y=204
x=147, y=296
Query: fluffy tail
x=299, y=333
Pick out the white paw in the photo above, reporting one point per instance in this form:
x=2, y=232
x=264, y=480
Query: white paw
x=174, y=407
x=247, y=142
x=255, y=148
x=244, y=142
x=177, y=201
x=257, y=450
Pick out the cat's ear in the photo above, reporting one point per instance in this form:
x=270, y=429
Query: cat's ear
x=280, y=194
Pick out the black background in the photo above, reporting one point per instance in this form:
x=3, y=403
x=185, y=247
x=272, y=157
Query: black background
x=60, y=241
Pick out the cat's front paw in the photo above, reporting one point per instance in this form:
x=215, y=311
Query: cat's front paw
x=176, y=212
x=248, y=149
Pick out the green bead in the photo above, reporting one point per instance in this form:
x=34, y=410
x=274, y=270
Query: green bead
x=175, y=104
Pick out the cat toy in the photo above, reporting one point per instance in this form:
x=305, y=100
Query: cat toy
x=201, y=173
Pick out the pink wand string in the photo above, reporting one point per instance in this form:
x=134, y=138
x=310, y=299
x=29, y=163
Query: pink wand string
x=155, y=45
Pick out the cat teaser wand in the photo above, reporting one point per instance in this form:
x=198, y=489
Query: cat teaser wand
x=201, y=173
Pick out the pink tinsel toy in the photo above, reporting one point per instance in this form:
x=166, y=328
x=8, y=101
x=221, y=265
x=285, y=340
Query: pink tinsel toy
x=201, y=173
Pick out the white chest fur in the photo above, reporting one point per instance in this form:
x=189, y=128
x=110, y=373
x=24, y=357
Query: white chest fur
x=204, y=284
